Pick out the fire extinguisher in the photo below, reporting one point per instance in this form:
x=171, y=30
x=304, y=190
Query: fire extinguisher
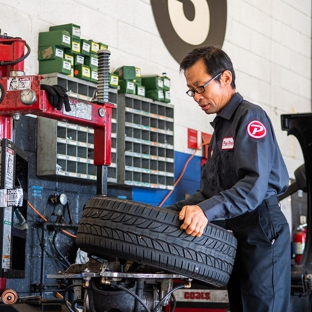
x=299, y=242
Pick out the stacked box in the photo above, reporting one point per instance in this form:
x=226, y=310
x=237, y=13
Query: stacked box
x=157, y=95
x=137, y=72
x=94, y=75
x=103, y=46
x=58, y=65
x=113, y=81
x=85, y=47
x=77, y=57
x=75, y=47
x=82, y=71
x=94, y=46
x=126, y=72
x=74, y=30
x=152, y=82
x=50, y=52
x=166, y=82
x=127, y=86
x=78, y=60
x=60, y=38
x=69, y=58
x=92, y=60
x=140, y=90
x=167, y=98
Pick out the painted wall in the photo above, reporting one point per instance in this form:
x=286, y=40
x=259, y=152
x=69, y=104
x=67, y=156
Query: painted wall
x=269, y=43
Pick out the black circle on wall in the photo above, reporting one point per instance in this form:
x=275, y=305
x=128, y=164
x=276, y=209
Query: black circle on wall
x=177, y=47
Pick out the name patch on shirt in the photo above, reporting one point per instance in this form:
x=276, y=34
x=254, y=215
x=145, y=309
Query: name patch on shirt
x=227, y=143
x=256, y=129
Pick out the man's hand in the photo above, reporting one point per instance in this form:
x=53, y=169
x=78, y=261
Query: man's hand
x=195, y=220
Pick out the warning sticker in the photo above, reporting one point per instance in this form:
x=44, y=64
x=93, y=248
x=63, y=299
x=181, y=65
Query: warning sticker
x=18, y=83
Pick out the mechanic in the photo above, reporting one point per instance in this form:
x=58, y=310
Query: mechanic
x=241, y=180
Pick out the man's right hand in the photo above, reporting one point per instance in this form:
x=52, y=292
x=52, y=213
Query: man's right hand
x=195, y=220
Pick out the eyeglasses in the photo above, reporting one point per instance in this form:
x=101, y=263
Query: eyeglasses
x=201, y=89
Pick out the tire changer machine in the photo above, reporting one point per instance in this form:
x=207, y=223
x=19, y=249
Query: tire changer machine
x=21, y=94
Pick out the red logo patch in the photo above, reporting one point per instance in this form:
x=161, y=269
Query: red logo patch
x=256, y=129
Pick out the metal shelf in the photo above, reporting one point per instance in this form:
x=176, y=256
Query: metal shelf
x=145, y=144
x=66, y=149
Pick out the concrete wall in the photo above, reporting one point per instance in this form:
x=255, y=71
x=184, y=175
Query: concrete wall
x=269, y=42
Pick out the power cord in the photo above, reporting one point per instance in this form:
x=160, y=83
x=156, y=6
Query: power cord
x=182, y=173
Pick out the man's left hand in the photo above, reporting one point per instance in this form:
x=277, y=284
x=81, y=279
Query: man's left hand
x=195, y=220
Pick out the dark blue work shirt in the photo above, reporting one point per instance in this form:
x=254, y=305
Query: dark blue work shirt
x=244, y=165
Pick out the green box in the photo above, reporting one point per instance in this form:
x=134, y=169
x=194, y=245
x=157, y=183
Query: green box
x=126, y=72
x=138, y=81
x=78, y=60
x=71, y=72
x=103, y=46
x=157, y=95
x=167, y=98
x=74, y=30
x=140, y=90
x=58, y=65
x=95, y=46
x=166, y=82
x=82, y=71
x=152, y=82
x=50, y=52
x=138, y=72
x=127, y=86
x=85, y=47
x=59, y=38
x=113, y=81
x=94, y=75
x=69, y=58
x=92, y=60
x=75, y=47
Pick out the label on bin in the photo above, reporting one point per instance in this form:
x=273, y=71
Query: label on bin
x=66, y=39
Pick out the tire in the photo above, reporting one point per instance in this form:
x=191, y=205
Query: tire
x=151, y=235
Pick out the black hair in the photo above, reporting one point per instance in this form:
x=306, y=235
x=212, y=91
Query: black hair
x=215, y=59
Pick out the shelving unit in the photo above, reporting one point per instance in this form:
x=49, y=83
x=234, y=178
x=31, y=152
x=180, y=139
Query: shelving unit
x=145, y=142
x=66, y=149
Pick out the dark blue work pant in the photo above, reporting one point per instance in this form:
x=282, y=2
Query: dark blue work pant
x=260, y=281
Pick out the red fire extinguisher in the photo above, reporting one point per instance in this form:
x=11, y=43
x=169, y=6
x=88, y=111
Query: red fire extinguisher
x=299, y=243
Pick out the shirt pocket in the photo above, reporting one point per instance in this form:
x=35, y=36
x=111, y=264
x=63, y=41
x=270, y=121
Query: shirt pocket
x=226, y=170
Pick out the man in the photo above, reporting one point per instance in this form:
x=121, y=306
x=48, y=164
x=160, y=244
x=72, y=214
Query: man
x=241, y=180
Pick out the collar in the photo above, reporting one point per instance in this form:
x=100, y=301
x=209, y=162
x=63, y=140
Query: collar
x=229, y=109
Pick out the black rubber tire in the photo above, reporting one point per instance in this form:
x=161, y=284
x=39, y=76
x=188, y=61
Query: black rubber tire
x=151, y=235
